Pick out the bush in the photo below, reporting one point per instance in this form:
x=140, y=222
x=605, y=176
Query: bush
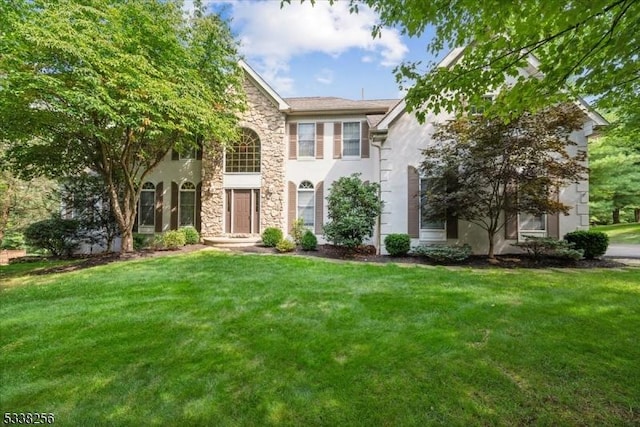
x=271, y=237
x=56, y=235
x=593, y=243
x=297, y=231
x=309, y=241
x=173, y=239
x=539, y=247
x=569, y=253
x=191, y=235
x=397, y=244
x=443, y=254
x=285, y=245
x=13, y=240
x=140, y=241
x=353, y=207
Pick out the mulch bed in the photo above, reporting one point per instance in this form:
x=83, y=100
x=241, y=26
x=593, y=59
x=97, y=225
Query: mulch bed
x=361, y=254
x=368, y=254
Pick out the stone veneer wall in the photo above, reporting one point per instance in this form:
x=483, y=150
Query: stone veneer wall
x=264, y=118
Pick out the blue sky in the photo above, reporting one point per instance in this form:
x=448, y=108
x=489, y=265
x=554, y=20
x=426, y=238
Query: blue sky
x=320, y=50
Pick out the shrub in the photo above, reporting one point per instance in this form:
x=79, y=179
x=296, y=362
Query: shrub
x=297, y=231
x=593, y=243
x=56, y=235
x=13, y=240
x=157, y=242
x=397, y=244
x=353, y=207
x=539, y=247
x=173, y=239
x=191, y=235
x=140, y=241
x=271, y=237
x=442, y=253
x=309, y=241
x=285, y=245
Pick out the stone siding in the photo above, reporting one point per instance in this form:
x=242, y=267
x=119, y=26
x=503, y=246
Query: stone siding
x=264, y=118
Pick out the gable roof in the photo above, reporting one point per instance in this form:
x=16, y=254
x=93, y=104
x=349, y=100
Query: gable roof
x=264, y=86
x=334, y=105
x=532, y=69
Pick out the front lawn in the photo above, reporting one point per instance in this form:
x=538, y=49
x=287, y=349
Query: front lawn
x=621, y=233
x=210, y=338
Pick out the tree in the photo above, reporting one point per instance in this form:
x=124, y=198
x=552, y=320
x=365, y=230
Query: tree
x=85, y=198
x=485, y=171
x=614, y=181
x=586, y=48
x=112, y=86
x=353, y=207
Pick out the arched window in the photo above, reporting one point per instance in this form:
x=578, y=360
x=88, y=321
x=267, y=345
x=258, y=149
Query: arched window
x=187, y=204
x=146, y=211
x=306, y=203
x=244, y=155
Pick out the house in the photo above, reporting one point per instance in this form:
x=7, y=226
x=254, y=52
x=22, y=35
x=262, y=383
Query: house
x=290, y=152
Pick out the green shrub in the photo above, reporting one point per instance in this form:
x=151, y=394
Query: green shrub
x=443, y=254
x=285, y=245
x=173, y=239
x=593, y=243
x=191, y=235
x=157, y=242
x=569, y=253
x=309, y=241
x=271, y=237
x=56, y=235
x=353, y=208
x=13, y=240
x=539, y=247
x=397, y=244
x=297, y=231
x=140, y=241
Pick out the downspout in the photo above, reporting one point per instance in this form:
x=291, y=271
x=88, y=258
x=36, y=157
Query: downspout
x=377, y=138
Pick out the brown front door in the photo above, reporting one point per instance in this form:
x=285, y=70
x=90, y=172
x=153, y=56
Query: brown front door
x=242, y=211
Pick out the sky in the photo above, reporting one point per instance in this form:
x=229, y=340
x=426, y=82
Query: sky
x=321, y=49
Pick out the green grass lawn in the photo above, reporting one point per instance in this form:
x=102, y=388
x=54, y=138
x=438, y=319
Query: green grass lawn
x=216, y=339
x=621, y=233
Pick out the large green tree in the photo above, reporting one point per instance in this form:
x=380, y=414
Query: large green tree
x=587, y=48
x=485, y=171
x=614, y=181
x=112, y=86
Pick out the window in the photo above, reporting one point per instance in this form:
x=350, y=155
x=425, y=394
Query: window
x=478, y=110
x=187, y=204
x=244, y=156
x=351, y=139
x=147, y=217
x=188, y=155
x=531, y=222
x=306, y=203
x=306, y=139
x=425, y=222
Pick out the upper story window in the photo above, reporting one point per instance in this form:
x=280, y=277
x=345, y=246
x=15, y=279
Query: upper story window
x=306, y=203
x=188, y=155
x=306, y=139
x=187, y=204
x=244, y=155
x=147, y=217
x=351, y=139
x=479, y=109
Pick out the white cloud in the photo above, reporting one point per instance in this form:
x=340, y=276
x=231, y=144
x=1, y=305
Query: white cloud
x=270, y=36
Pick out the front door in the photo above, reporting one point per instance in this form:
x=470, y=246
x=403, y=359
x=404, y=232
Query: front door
x=242, y=211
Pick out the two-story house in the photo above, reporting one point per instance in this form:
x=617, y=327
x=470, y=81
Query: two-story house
x=290, y=152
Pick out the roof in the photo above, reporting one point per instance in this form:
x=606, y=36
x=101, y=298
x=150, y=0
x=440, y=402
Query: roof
x=262, y=84
x=331, y=105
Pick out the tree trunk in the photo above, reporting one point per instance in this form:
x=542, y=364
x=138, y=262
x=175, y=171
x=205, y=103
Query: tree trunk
x=636, y=214
x=491, y=236
x=127, y=241
x=616, y=216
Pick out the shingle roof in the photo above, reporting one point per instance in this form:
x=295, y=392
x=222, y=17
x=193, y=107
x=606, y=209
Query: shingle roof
x=328, y=104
